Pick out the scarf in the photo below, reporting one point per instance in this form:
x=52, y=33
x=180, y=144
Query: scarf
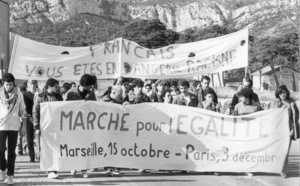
x=134, y=99
x=8, y=101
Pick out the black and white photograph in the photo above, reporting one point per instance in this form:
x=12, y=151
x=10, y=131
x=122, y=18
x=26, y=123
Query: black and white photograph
x=150, y=92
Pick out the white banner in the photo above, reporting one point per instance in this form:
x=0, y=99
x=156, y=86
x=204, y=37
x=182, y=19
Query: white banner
x=34, y=60
x=161, y=137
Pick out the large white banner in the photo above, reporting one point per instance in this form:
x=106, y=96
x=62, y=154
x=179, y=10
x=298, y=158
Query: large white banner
x=34, y=60
x=83, y=135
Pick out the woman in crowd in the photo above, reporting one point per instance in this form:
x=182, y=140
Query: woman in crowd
x=209, y=103
x=12, y=107
x=283, y=99
x=246, y=106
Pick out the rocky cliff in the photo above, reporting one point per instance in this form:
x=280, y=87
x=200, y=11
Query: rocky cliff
x=175, y=14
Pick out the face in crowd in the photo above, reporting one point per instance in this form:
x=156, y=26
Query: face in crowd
x=168, y=97
x=283, y=95
x=173, y=88
x=205, y=83
x=209, y=97
x=148, y=88
x=198, y=86
x=31, y=84
x=160, y=87
x=246, y=84
x=8, y=86
x=54, y=89
x=137, y=90
x=125, y=86
x=63, y=90
x=153, y=87
x=183, y=89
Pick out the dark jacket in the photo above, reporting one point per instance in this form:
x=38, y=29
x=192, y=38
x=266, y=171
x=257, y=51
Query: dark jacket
x=179, y=100
x=41, y=98
x=28, y=100
x=75, y=94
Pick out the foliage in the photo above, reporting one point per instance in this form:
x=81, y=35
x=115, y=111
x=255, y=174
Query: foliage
x=282, y=50
x=149, y=33
x=194, y=34
x=82, y=30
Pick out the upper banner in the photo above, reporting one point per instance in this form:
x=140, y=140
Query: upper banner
x=34, y=60
x=161, y=137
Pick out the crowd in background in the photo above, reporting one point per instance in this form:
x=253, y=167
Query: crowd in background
x=20, y=105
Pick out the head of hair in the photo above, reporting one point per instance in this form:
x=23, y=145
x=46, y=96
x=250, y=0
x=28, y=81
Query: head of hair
x=167, y=83
x=165, y=92
x=184, y=83
x=51, y=82
x=8, y=77
x=124, y=80
x=196, y=83
x=137, y=83
x=246, y=92
x=174, y=83
x=87, y=80
x=22, y=87
x=247, y=79
x=279, y=91
x=160, y=82
x=95, y=78
x=73, y=83
x=208, y=90
x=205, y=78
x=67, y=86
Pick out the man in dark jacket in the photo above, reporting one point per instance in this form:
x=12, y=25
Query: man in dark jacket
x=185, y=98
x=205, y=81
x=29, y=95
x=50, y=94
x=82, y=91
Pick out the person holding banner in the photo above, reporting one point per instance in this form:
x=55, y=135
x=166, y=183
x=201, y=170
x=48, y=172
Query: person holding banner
x=185, y=98
x=283, y=99
x=82, y=92
x=12, y=107
x=246, y=106
x=50, y=94
x=247, y=83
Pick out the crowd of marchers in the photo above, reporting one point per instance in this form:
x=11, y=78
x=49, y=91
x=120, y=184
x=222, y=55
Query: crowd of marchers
x=20, y=108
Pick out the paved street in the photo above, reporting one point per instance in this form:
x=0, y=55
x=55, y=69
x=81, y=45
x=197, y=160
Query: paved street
x=30, y=174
